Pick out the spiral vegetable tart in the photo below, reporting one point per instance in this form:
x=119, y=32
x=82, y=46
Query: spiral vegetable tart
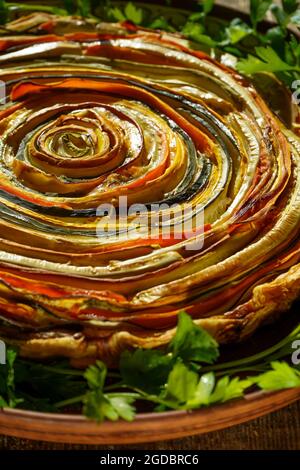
x=95, y=113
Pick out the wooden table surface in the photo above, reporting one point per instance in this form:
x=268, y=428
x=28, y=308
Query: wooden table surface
x=279, y=430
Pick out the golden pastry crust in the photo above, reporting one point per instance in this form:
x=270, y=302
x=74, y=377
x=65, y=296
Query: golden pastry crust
x=267, y=303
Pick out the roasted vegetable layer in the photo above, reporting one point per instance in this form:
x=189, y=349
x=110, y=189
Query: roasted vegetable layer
x=115, y=113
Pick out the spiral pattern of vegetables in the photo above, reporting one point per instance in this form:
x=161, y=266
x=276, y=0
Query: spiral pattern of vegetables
x=92, y=116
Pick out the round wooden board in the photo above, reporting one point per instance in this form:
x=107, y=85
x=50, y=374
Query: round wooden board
x=147, y=427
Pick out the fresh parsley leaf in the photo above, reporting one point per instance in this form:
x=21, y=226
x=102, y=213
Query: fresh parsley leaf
x=236, y=31
x=267, y=61
x=198, y=16
x=192, y=343
x=97, y=405
x=123, y=407
x=275, y=38
x=289, y=14
x=11, y=356
x=203, y=391
x=205, y=8
x=130, y=13
x=3, y=403
x=280, y=377
x=163, y=378
x=258, y=10
x=41, y=382
x=84, y=8
x=3, y=12
x=228, y=389
x=181, y=385
x=149, y=370
x=20, y=7
x=96, y=375
x=195, y=24
x=161, y=23
x=207, y=5
x=295, y=47
x=7, y=381
x=281, y=16
x=133, y=13
x=145, y=369
x=116, y=14
x=188, y=391
x=209, y=392
x=195, y=32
